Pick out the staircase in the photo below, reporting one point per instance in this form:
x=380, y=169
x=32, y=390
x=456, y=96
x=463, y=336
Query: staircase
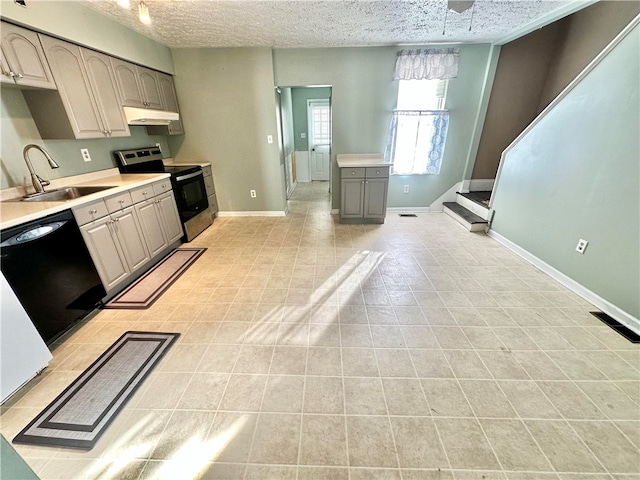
x=470, y=210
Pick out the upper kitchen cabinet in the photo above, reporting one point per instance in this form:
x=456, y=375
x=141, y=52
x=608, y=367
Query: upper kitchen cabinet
x=87, y=103
x=23, y=61
x=170, y=104
x=138, y=86
x=105, y=90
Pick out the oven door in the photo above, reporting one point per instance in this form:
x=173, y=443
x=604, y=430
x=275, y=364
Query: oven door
x=191, y=194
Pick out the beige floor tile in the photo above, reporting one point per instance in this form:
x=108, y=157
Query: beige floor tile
x=404, y=397
x=528, y=400
x=539, y=366
x=417, y=443
x=466, y=364
x=359, y=362
x=611, y=400
x=612, y=448
x=465, y=444
x=222, y=471
x=394, y=362
x=219, y=359
x=324, y=395
x=357, y=314
x=575, y=365
x=451, y=337
x=289, y=360
x=514, y=446
x=387, y=336
x=203, y=392
x=479, y=475
x=254, y=359
x=230, y=435
x=430, y=364
x=276, y=439
x=563, y=447
x=370, y=442
x=502, y=365
x=570, y=401
x=163, y=391
x=418, y=337
x=374, y=474
x=324, y=361
x=186, y=427
x=427, y=474
x=260, y=472
x=446, y=398
x=283, y=394
x=612, y=365
x=486, y=399
x=323, y=440
x=243, y=393
x=364, y=396
x=231, y=332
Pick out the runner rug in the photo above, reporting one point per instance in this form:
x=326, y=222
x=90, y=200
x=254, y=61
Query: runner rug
x=148, y=288
x=81, y=414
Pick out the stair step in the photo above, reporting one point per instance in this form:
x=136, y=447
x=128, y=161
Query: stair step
x=476, y=202
x=470, y=220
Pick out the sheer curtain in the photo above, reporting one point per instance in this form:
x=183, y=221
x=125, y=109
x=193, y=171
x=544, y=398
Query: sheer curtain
x=427, y=64
x=417, y=138
x=416, y=141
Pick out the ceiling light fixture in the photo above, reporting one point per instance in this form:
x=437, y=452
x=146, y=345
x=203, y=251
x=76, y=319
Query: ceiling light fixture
x=459, y=6
x=143, y=13
x=124, y=3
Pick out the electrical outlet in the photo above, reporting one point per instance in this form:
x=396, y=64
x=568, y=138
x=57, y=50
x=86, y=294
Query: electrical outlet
x=582, y=246
x=303, y=135
x=85, y=154
x=252, y=193
x=406, y=189
x=269, y=138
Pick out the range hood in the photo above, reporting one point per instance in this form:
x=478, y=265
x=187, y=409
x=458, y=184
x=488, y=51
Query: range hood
x=145, y=116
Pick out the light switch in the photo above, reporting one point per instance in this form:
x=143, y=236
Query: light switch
x=269, y=138
x=303, y=135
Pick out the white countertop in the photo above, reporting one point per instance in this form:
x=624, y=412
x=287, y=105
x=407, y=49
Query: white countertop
x=169, y=162
x=355, y=160
x=14, y=213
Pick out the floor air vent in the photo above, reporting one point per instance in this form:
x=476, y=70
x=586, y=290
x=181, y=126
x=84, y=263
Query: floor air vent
x=617, y=326
x=407, y=215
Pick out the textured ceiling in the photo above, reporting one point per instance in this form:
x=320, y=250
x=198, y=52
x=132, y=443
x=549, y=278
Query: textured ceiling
x=321, y=23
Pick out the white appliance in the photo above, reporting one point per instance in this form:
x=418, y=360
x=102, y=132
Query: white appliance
x=23, y=353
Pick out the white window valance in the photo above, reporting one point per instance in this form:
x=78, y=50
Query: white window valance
x=427, y=64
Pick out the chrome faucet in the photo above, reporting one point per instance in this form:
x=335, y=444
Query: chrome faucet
x=38, y=183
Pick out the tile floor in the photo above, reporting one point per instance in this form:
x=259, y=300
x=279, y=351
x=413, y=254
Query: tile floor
x=313, y=350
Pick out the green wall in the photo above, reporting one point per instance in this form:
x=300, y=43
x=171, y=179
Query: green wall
x=363, y=96
x=227, y=100
x=18, y=129
x=299, y=98
x=576, y=175
x=12, y=465
x=79, y=24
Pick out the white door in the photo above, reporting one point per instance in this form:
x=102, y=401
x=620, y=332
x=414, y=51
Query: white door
x=319, y=119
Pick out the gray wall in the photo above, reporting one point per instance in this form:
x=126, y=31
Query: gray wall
x=227, y=100
x=300, y=120
x=576, y=175
x=363, y=96
x=534, y=69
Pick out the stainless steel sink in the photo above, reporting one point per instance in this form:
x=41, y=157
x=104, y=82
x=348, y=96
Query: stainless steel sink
x=64, y=194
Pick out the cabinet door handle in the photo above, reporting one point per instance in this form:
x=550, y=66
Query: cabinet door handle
x=145, y=193
x=12, y=74
x=377, y=172
x=120, y=201
x=20, y=75
x=353, y=172
x=93, y=212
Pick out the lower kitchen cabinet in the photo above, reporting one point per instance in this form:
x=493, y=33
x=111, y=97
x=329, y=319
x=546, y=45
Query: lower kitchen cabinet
x=363, y=194
x=105, y=251
x=160, y=222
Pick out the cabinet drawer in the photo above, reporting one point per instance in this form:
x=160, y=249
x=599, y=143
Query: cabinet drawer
x=88, y=212
x=118, y=202
x=162, y=186
x=141, y=194
x=206, y=171
x=208, y=183
x=352, y=172
x=374, y=172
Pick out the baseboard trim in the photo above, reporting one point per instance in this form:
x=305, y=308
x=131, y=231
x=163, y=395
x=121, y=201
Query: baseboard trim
x=409, y=210
x=448, y=196
x=607, y=307
x=266, y=213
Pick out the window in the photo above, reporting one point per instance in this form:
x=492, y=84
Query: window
x=418, y=128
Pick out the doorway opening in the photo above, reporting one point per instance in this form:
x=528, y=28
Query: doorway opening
x=304, y=121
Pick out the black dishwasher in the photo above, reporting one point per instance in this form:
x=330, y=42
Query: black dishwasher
x=49, y=268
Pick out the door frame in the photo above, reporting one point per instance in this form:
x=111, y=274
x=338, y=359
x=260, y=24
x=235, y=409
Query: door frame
x=323, y=102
